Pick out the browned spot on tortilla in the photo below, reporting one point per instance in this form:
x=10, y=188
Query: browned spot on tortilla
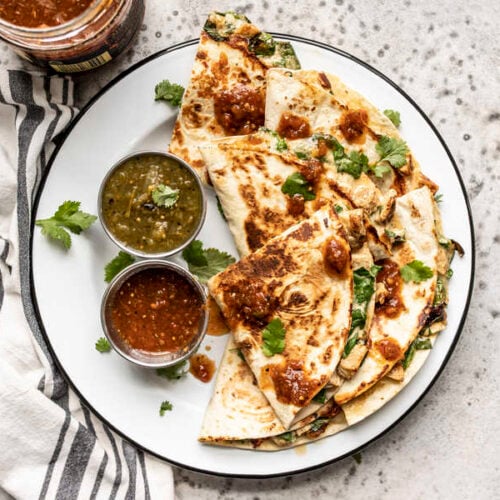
x=303, y=233
x=323, y=81
x=256, y=237
x=327, y=355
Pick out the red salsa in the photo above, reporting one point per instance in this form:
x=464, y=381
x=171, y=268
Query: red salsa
x=156, y=310
x=201, y=367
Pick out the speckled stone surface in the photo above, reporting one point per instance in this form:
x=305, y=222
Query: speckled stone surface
x=446, y=55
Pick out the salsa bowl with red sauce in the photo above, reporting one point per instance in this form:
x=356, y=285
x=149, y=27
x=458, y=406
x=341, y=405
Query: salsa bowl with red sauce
x=154, y=313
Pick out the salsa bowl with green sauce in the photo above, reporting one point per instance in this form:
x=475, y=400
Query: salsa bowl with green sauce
x=154, y=313
x=151, y=204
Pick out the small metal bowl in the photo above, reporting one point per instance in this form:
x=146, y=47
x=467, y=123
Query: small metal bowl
x=146, y=358
x=135, y=251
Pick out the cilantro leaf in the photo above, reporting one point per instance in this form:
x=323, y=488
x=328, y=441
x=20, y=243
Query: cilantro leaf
x=338, y=208
x=220, y=209
x=380, y=169
x=351, y=342
x=194, y=254
x=396, y=236
x=273, y=336
x=438, y=197
x=170, y=92
x=318, y=424
x=364, y=288
x=364, y=283
x=320, y=397
x=418, y=344
x=165, y=406
x=165, y=196
x=205, y=263
x=354, y=164
x=281, y=144
x=302, y=155
x=394, y=116
x=416, y=271
x=262, y=44
x=174, y=372
x=114, y=266
x=289, y=436
x=392, y=151
x=69, y=216
x=103, y=345
x=296, y=184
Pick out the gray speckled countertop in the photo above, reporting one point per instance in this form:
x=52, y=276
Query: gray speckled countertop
x=446, y=56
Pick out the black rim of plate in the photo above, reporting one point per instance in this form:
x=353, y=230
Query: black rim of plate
x=84, y=401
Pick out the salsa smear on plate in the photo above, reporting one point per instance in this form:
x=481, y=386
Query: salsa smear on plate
x=152, y=203
x=156, y=310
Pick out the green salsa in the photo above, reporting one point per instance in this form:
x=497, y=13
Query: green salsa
x=131, y=209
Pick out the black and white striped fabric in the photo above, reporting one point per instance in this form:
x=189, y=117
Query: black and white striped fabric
x=50, y=445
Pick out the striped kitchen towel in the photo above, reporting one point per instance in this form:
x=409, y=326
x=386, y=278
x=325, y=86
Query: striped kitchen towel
x=51, y=446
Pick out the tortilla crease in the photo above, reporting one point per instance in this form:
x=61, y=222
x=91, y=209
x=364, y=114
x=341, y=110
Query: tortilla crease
x=391, y=334
x=224, y=67
x=323, y=104
x=248, y=174
x=304, y=278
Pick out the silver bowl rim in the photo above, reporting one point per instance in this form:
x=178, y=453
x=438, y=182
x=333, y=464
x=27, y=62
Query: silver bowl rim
x=133, y=251
x=121, y=277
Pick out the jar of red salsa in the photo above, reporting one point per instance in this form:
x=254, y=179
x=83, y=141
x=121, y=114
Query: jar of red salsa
x=70, y=36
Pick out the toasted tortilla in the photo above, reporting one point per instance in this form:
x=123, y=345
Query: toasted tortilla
x=240, y=416
x=296, y=278
x=248, y=174
x=394, y=328
x=386, y=389
x=229, y=69
x=306, y=102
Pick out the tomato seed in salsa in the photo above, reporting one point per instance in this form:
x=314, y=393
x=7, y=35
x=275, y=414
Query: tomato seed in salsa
x=156, y=310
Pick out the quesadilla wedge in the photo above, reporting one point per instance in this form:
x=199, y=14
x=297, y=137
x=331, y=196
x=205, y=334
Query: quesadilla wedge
x=264, y=188
x=239, y=414
x=406, y=287
x=288, y=306
x=226, y=92
x=302, y=103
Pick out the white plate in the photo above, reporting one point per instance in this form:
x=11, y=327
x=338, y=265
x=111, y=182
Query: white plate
x=68, y=286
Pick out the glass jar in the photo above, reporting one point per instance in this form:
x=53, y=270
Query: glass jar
x=88, y=41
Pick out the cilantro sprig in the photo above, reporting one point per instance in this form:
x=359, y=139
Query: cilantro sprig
x=418, y=344
x=102, y=345
x=164, y=407
x=416, y=271
x=273, y=336
x=394, y=116
x=364, y=288
x=114, y=266
x=67, y=216
x=297, y=184
x=165, y=196
x=170, y=92
x=174, y=372
x=205, y=262
x=392, y=151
